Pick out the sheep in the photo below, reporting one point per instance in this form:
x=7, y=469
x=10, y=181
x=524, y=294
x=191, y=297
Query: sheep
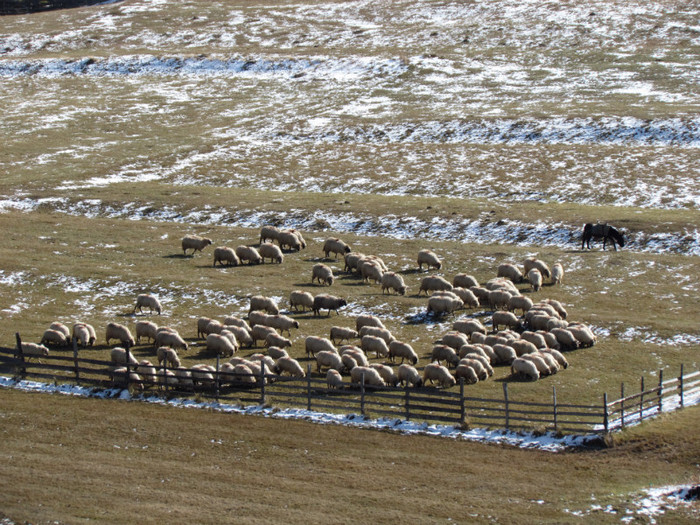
x=248, y=253
x=371, y=271
x=500, y=283
x=202, y=324
x=147, y=300
x=536, y=339
x=467, y=372
x=454, y=339
x=522, y=347
x=171, y=339
x=430, y=259
x=534, y=263
x=409, y=376
x=167, y=378
x=84, y=333
x=349, y=362
x=367, y=320
x=471, y=349
x=224, y=254
x=553, y=322
x=469, y=326
x=256, y=317
x=523, y=367
x=387, y=373
x=259, y=332
x=356, y=353
x=213, y=327
x=169, y=356
x=275, y=352
x=499, y=299
x=184, y=379
x=495, y=340
x=60, y=327
x=510, y=271
x=434, y=372
x=490, y=353
x=145, y=329
x=322, y=273
x=544, y=307
x=402, y=350
x=481, y=293
x=242, y=335
x=467, y=296
x=282, y=323
x=290, y=240
x=439, y=305
x=334, y=379
x=558, y=307
x=299, y=298
x=372, y=343
x=434, y=283
x=244, y=374
x=30, y=350
x=274, y=339
x=393, y=281
x=120, y=332
x=54, y=337
x=463, y=280
x=538, y=322
x=221, y=345
x=518, y=302
x=446, y=353
x=557, y=273
x=351, y=261
x=542, y=366
x=290, y=366
x=505, y=353
x=482, y=359
x=370, y=376
x=582, y=334
x=476, y=365
x=340, y=333
x=550, y=339
x=269, y=232
x=262, y=358
x=557, y=355
x=326, y=358
x=335, y=246
x=272, y=252
x=314, y=344
x=566, y=339
x=535, y=278
x=261, y=302
x=195, y=243
x=120, y=356
x=378, y=332
x=327, y=302
x=147, y=371
x=119, y=378
x=507, y=319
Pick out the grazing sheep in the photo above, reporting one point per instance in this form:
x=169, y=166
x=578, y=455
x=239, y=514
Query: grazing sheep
x=242, y=335
x=314, y=344
x=409, y=376
x=269, y=232
x=334, y=379
x=371, y=271
x=454, y=339
x=290, y=366
x=505, y=353
x=557, y=355
x=556, y=323
x=495, y=340
x=242, y=373
x=118, y=375
x=558, y=307
x=356, y=353
x=523, y=347
x=481, y=293
x=434, y=283
x=30, y=350
x=257, y=317
x=272, y=252
x=476, y=365
x=507, y=319
x=402, y=350
x=523, y=367
x=221, y=345
x=147, y=371
x=54, y=338
x=500, y=283
x=194, y=243
x=171, y=339
x=120, y=332
x=335, y=246
x=541, y=266
x=372, y=343
x=349, y=362
x=387, y=373
x=248, y=253
x=536, y=339
x=184, y=379
x=351, y=261
x=79, y=333
x=583, y=334
x=370, y=375
x=518, y=302
x=277, y=340
x=290, y=240
x=121, y=356
x=535, y=278
x=467, y=296
x=378, y=332
x=540, y=363
x=430, y=259
x=213, y=327
x=557, y=273
x=483, y=360
x=168, y=355
x=499, y=299
x=550, y=339
x=167, y=378
x=322, y=273
x=224, y=254
x=145, y=329
x=440, y=305
x=149, y=301
x=259, y=332
x=510, y=271
x=261, y=302
x=298, y=298
x=327, y=302
x=444, y=353
x=60, y=327
x=367, y=320
x=468, y=373
x=282, y=323
x=328, y=359
x=490, y=353
x=393, y=281
x=469, y=326
x=203, y=375
x=566, y=339
x=463, y=280
x=434, y=372
x=202, y=324
x=340, y=333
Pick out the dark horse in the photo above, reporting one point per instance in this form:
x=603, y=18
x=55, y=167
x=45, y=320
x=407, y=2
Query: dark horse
x=601, y=231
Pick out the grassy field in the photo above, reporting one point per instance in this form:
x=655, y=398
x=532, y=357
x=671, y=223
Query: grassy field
x=488, y=132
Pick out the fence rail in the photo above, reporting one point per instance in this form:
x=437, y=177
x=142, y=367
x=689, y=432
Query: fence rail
x=423, y=404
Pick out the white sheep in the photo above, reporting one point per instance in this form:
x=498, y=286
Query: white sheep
x=557, y=355
x=221, y=344
x=539, y=362
x=506, y=354
x=523, y=367
x=328, y=302
x=282, y=323
x=435, y=372
x=541, y=266
x=242, y=373
x=167, y=377
x=440, y=305
x=510, y=271
x=463, y=280
x=275, y=339
x=349, y=362
x=372, y=343
x=275, y=352
x=147, y=300
x=371, y=271
x=481, y=293
x=466, y=372
x=499, y=299
x=60, y=327
x=120, y=332
x=314, y=344
x=299, y=298
x=469, y=326
x=518, y=302
x=168, y=355
x=340, y=333
x=467, y=296
x=335, y=246
x=248, y=253
x=370, y=375
x=550, y=339
x=328, y=359
x=367, y=320
x=393, y=281
x=118, y=376
x=583, y=334
x=351, y=261
x=334, y=379
x=403, y=350
x=387, y=373
x=119, y=356
x=213, y=327
x=322, y=273
x=557, y=273
x=446, y=353
x=145, y=329
x=290, y=239
x=194, y=243
x=507, y=319
x=269, y=232
x=184, y=378
x=242, y=335
x=356, y=353
x=224, y=254
x=521, y=347
x=500, y=283
x=434, y=283
x=535, y=278
x=53, y=337
x=565, y=338
x=384, y=333
x=171, y=339
x=263, y=303
x=558, y=307
x=409, y=376
x=532, y=337
x=454, y=339
x=430, y=259
x=290, y=366
x=147, y=371
x=30, y=350
x=202, y=324
x=84, y=334
x=272, y=252
x=483, y=360
x=259, y=332
x=256, y=317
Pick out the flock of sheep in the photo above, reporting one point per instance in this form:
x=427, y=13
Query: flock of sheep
x=531, y=343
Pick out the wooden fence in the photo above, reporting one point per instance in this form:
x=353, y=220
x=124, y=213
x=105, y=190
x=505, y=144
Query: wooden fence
x=425, y=404
x=13, y=7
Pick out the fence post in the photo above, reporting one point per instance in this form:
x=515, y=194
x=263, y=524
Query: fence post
x=217, y=377
x=462, y=408
x=605, y=413
x=505, y=397
x=661, y=390
x=262, y=383
x=622, y=405
x=23, y=366
x=641, y=402
x=406, y=402
x=75, y=361
x=308, y=387
x=680, y=384
x=554, y=406
x=362, y=394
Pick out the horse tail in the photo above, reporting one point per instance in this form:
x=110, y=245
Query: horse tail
x=587, y=234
